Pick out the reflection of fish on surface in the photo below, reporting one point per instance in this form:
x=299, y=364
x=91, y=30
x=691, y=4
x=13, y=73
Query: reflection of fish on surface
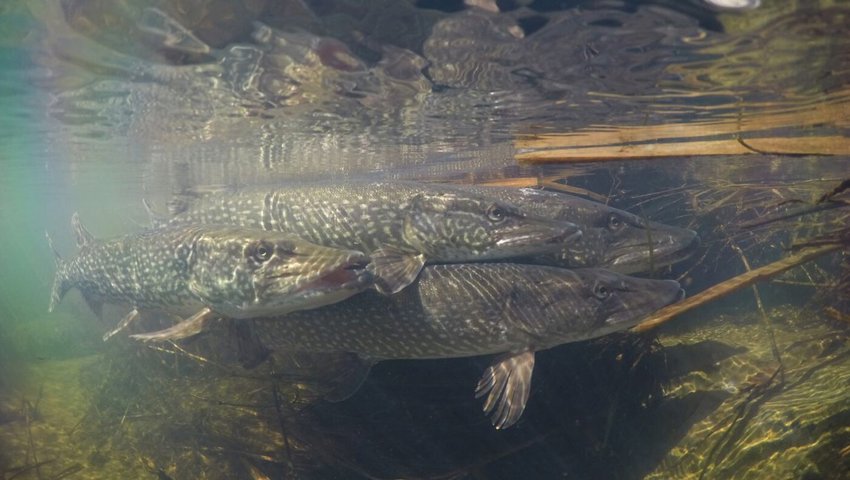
x=611, y=238
x=466, y=310
x=401, y=225
x=207, y=271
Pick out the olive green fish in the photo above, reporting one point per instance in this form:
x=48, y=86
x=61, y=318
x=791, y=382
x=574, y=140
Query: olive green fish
x=611, y=238
x=475, y=309
x=401, y=225
x=207, y=271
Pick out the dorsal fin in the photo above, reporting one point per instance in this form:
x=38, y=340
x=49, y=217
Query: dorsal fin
x=60, y=282
x=84, y=237
x=156, y=220
x=56, y=255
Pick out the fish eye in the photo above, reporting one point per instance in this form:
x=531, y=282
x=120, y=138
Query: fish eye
x=262, y=252
x=615, y=222
x=496, y=213
x=601, y=291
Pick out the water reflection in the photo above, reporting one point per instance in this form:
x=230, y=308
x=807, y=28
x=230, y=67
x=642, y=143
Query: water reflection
x=293, y=97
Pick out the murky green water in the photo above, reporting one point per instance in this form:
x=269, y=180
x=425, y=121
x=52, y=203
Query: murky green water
x=104, y=103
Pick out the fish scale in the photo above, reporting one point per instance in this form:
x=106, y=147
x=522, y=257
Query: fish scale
x=401, y=225
x=462, y=310
x=207, y=271
x=136, y=270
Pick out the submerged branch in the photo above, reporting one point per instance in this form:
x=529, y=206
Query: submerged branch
x=734, y=284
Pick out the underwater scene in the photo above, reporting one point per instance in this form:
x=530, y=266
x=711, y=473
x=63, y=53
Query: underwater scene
x=424, y=239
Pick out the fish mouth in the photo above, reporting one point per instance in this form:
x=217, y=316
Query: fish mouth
x=352, y=275
x=330, y=285
x=667, y=249
x=655, y=296
x=542, y=239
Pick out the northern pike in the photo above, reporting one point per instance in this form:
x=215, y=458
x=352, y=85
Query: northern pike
x=206, y=271
x=463, y=310
x=611, y=238
x=400, y=225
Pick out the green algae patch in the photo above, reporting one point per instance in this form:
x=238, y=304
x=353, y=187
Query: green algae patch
x=42, y=419
x=746, y=416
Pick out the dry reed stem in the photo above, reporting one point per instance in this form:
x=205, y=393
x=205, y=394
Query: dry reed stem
x=822, y=145
x=836, y=114
x=749, y=132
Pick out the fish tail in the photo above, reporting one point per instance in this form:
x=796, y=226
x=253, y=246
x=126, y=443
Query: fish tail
x=60, y=281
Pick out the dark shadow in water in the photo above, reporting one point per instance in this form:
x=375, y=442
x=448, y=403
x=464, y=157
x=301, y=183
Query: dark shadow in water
x=701, y=356
x=596, y=411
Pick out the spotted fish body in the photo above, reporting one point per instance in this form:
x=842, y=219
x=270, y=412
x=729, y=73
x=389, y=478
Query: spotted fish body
x=402, y=225
x=476, y=309
x=611, y=238
x=211, y=270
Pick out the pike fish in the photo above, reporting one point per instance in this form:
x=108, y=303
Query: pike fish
x=206, y=271
x=463, y=310
x=401, y=225
x=611, y=238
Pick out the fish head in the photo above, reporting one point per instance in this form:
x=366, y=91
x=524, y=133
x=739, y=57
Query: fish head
x=637, y=245
x=587, y=303
x=460, y=227
x=624, y=242
x=244, y=273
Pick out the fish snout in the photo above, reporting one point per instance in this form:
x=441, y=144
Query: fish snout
x=652, y=248
x=641, y=297
x=670, y=291
x=691, y=241
x=539, y=236
x=569, y=234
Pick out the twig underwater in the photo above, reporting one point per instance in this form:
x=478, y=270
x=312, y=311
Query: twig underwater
x=802, y=252
x=734, y=284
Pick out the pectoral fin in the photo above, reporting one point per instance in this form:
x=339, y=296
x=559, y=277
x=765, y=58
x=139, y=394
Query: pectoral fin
x=187, y=328
x=350, y=381
x=395, y=269
x=96, y=305
x=130, y=317
x=170, y=32
x=250, y=350
x=507, y=384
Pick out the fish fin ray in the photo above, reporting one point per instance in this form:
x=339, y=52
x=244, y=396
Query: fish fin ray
x=95, y=305
x=60, y=281
x=156, y=220
x=350, y=381
x=395, y=269
x=184, y=329
x=127, y=320
x=56, y=255
x=170, y=33
x=506, y=384
x=84, y=237
x=185, y=197
x=250, y=350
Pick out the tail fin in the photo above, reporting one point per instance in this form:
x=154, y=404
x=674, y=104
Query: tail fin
x=60, y=281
